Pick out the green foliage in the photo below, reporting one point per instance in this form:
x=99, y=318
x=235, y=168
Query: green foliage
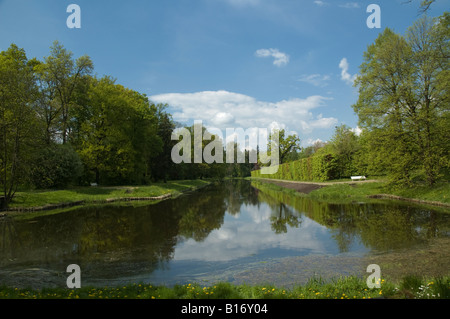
x=403, y=102
x=321, y=167
x=350, y=287
x=56, y=166
x=345, y=146
x=118, y=137
x=61, y=78
x=287, y=146
x=19, y=128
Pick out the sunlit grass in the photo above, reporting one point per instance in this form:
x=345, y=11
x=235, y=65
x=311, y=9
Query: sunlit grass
x=340, y=288
x=40, y=198
x=341, y=193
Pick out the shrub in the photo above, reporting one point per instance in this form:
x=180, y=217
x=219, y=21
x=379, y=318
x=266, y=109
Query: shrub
x=321, y=167
x=56, y=166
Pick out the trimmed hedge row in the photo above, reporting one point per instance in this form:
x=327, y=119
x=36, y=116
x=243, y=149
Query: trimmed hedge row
x=318, y=168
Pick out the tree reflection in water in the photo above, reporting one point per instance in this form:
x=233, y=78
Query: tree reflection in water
x=123, y=241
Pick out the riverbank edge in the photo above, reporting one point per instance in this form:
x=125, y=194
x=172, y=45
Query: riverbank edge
x=16, y=211
x=347, y=287
x=280, y=183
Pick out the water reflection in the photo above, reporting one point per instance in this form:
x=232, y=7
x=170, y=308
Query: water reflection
x=226, y=225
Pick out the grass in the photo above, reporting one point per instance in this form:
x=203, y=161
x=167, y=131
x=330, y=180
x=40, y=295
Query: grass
x=438, y=195
x=39, y=198
x=340, y=288
x=345, y=191
x=355, y=191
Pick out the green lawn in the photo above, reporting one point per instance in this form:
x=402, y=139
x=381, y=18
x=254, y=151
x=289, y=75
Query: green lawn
x=340, y=288
x=341, y=192
x=97, y=194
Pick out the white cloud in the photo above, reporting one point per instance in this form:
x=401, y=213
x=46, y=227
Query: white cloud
x=357, y=130
x=222, y=118
x=310, y=141
x=237, y=239
x=315, y=79
x=345, y=76
x=350, y=5
x=223, y=109
x=319, y=3
x=280, y=58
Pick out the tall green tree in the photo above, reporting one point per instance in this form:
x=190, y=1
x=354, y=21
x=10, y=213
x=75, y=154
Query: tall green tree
x=162, y=166
x=60, y=76
x=345, y=145
x=403, y=100
x=119, y=134
x=19, y=128
x=429, y=41
x=286, y=145
x=386, y=103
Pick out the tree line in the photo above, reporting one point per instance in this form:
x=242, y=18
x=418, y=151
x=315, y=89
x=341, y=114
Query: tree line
x=61, y=125
x=403, y=111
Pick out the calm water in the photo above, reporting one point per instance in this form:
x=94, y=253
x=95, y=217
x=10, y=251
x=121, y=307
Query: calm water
x=227, y=232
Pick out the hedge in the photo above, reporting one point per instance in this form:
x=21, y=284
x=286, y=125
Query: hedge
x=316, y=168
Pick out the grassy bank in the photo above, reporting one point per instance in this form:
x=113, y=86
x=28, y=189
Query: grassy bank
x=341, y=288
x=49, y=199
x=334, y=191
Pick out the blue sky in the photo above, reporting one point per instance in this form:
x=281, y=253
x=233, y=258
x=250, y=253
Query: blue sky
x=229, y=63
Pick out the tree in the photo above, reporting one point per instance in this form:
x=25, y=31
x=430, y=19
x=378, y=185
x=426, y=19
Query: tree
x=19, y=128
x=56, y=166
x=345, y=145
x=119, y=134
x=162, y=165
x=60, y=76
x=386, y=103
x=403, y=99
x=285, y=145
x=429, y=41
x=424, y=5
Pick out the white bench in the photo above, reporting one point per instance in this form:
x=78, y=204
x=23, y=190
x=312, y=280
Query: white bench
x=354, y=178
x=94, y=184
